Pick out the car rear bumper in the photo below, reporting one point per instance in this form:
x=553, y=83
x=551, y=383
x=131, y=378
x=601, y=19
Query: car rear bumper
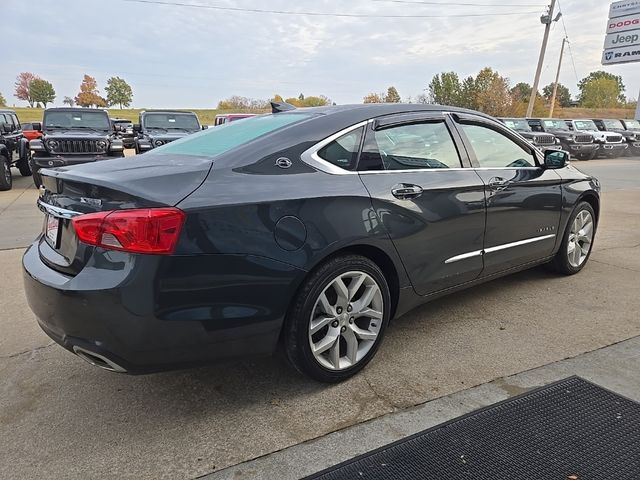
x=145, y=313
x=614, y=146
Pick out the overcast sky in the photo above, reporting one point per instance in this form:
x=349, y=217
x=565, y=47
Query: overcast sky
x=179, y=56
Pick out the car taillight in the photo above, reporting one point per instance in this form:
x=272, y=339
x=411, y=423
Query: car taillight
x=148, y=230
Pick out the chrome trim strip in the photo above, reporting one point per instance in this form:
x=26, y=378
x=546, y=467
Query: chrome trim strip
x=497, y=248
x=464, y=256
x=56, y=211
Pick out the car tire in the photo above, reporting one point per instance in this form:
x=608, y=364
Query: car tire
x=37, y=179
x=572, y=255
x=348, y=326
x=6, y=180
x=25, y=169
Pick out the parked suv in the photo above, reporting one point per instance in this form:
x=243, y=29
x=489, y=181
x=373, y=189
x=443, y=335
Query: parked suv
x=611, y=144
x=124, y=131
x=14, y=149
x=632, y=138
x=156, y=128
x=631, y=125
x=223, y=118
x=540, y=140
x=579, y=144
x=74, y=135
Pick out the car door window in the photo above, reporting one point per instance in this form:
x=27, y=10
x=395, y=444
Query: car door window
x=343, y=151
x=16, y=122
x=408, y=147
x=495, y=150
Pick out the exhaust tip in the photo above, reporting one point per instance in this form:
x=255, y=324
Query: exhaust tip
x=98, y=360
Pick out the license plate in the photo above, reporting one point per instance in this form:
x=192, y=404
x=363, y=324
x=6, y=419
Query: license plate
x=52, y=225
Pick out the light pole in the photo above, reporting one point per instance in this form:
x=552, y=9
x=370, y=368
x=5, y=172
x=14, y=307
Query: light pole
x=546, y=20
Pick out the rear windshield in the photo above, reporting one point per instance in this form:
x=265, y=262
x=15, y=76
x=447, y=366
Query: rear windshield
x=217, y=140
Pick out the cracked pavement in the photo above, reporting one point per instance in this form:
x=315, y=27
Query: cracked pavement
x=63, y=418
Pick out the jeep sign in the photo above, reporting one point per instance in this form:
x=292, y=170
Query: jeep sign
x=621, y=55
x=625, y=7
x=624, y=39
x=622, y=24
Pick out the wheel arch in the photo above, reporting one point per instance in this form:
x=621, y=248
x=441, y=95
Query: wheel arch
x=592, y=199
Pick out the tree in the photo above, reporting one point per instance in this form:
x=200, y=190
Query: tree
x=68, y=101
x=88, y=95
x=242, y=104
x=600, y=93
x=563, y=95
x=521, y=92
x=3, y=101
x=468, y=94
x=118, y=92
x=42, y=91
x=313, y=101
x=392, y=95
x=22, y=87
x=601, y=75
x=492, y=94
x=374, y=98
x=445, y=89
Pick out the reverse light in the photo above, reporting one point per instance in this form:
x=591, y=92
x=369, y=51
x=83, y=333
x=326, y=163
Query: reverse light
x=148, y=230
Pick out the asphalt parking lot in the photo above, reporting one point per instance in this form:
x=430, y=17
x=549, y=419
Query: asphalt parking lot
x=62, y=418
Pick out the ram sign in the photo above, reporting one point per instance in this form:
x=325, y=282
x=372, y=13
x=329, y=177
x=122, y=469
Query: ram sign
x=622, y=43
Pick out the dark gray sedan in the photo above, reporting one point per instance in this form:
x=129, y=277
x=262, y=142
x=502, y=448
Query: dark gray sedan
x=306, y=229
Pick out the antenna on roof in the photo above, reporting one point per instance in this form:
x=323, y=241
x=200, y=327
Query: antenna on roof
x=277, y=107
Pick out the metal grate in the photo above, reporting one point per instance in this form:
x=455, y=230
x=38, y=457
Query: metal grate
x=570, y=429
x=78, y=146
x=614, y=138
x=544, y=139
x=584, y=139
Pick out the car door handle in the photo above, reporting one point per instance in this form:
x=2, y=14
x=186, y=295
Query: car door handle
x=498, y=184
x=405, y=191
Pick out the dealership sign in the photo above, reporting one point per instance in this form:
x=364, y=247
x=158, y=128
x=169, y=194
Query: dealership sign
x=622, y=43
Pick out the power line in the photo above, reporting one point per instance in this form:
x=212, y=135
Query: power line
x=321, y=14
x=457, y=4
x=566, y=35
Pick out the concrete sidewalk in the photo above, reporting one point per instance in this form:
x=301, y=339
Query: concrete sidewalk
x=614, y=367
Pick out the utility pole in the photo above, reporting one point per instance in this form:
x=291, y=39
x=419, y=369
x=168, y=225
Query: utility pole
x=547, y=20
x=555, y=85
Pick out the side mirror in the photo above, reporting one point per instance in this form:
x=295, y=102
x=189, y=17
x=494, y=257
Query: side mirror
x=37, y=126
x=137, y=128
x=204, y=127
x=554, y=159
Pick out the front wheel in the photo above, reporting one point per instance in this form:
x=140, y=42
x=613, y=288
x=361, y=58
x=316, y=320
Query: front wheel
x=577, y=241
x=337, y=319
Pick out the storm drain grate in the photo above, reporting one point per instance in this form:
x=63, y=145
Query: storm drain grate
x=571, y=429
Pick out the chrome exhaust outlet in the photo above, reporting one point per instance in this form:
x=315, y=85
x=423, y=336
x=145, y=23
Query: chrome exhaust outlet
x=98, y=360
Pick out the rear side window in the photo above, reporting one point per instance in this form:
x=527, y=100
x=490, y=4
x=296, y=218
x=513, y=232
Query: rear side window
x=409, y=147
x=216, y=141
x=343, y=152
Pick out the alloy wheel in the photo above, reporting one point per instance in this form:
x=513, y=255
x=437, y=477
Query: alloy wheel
x=580, y=239
x=346, y=320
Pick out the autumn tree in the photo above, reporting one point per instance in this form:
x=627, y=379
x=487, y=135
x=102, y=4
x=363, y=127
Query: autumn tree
x=601, y=90
x=118, y=92
x=521, y=92
x=563, y=95
x=492, y=94
x=3, y=101
x=239, y=103
x=89, y=96
x=22, y=84
x=42, y=91
x=374, y=98
x=392, y=95
x=69, y=101
x=445, y=89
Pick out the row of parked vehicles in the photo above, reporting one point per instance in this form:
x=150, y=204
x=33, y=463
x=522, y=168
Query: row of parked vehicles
x=69, y=136
x=584, y=139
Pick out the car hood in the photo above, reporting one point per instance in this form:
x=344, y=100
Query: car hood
x=162, y=179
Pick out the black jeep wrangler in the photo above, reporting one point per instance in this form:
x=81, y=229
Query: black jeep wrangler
x=124, y=131
x=72, y=136
x=580, y=145
x=157, y=127
x=631, y=138
x=537, y=139
x=14, y=149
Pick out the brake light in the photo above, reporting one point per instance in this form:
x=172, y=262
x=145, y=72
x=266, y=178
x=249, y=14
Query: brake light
x=148, y=230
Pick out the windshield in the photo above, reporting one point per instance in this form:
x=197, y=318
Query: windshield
x=95, y=120
x=585, y=125
x=520, y=125
x=633, y=124
x=215, y=141
x=171, y=121
x=555, y=124
x=613, y=124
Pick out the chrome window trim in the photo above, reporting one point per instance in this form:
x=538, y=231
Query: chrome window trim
x=498, y=248
x=56, y=211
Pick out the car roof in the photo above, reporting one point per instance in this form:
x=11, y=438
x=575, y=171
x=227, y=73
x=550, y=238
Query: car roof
x=74, y=109
x=6, y=110
x=167, y=111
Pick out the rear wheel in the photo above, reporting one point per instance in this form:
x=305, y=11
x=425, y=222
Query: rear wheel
x=6, y=180
x=338, y=318
x=577, y=241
